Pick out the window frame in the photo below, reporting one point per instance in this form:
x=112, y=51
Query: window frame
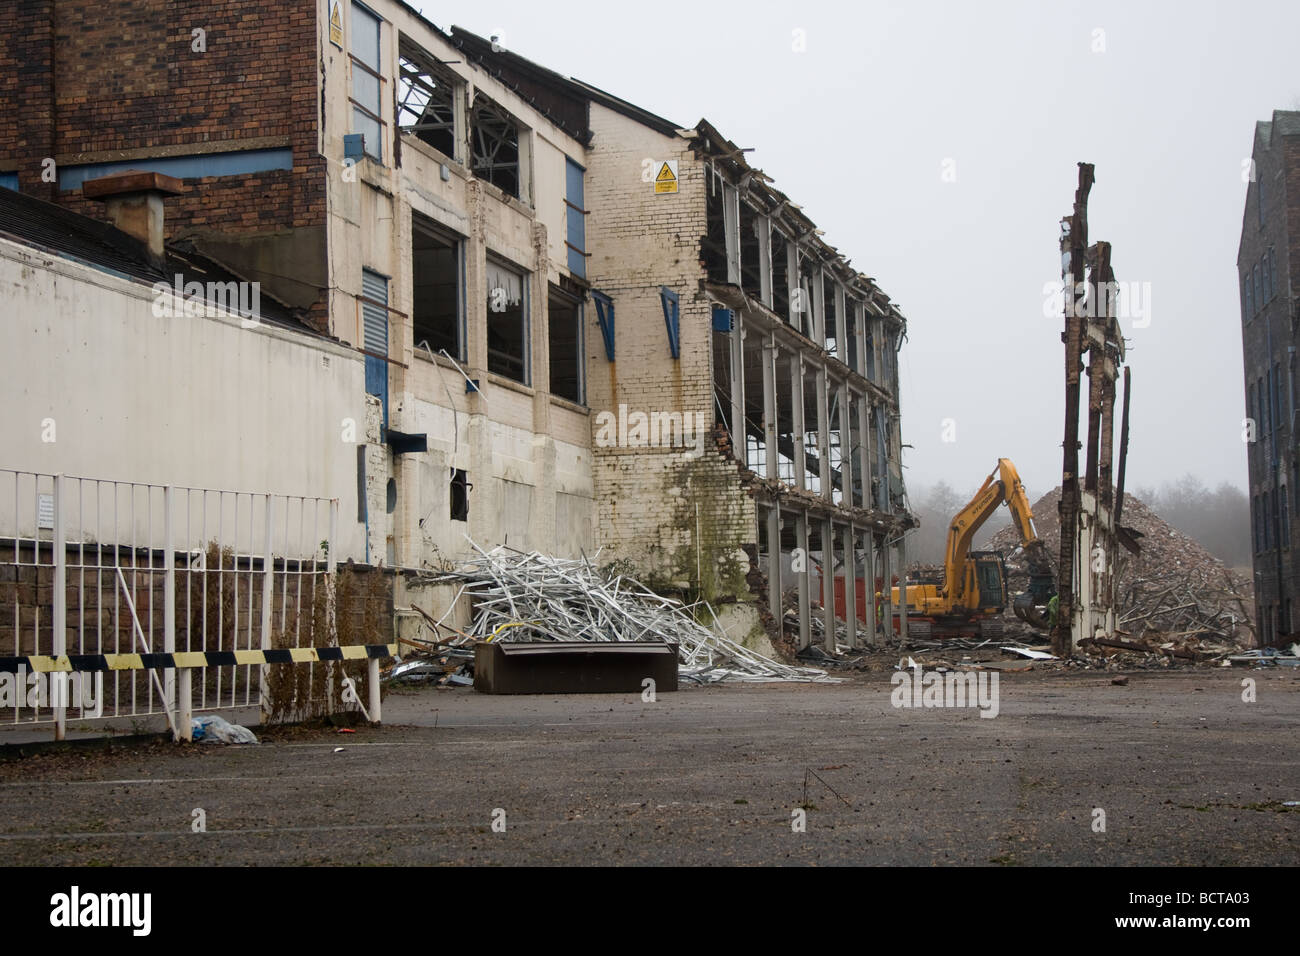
x=374, y=114
x=423, y=63
x=525, y=306
x=429, y=226
x=483, y=103
x=579, y=306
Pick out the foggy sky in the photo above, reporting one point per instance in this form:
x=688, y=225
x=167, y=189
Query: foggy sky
x=857, y=130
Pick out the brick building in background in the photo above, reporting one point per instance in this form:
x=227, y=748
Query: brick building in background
x=583, y=326
x=1267, y=257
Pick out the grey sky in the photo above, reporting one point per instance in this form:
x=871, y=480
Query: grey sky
x=857, y=129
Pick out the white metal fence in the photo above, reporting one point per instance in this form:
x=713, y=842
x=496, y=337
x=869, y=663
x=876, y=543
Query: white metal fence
x=91, y=566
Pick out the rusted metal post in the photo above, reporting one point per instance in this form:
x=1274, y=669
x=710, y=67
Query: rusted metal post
x=1074, y=242
x=1123, y=450
x=1105, y=449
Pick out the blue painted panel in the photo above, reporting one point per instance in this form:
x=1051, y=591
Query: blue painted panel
x=605, y=318
x=239, y=163
x=577, y=222
x=375, y=336
x=9, y=181
x=377, y=382
x=672, y=304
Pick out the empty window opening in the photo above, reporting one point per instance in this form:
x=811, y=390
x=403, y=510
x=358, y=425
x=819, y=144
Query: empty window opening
x=802, y=313
x=436, y=284
x=756, y=450
x=851, y=334
x=390, y=496
x=715, y=237
x=855, y=450
x=564, y=335
x=507, y=322
x=722, y=379
x=831, y=312
x=367, y=81
x=780, y=275
x=426, y=99
x=495, y=139
x=811, y=434
x=785, y=409
x=835, y=437
x=460, y=489
x=751, y=276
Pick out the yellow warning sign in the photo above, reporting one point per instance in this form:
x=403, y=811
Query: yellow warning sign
x=336, y=24
x=666, y=180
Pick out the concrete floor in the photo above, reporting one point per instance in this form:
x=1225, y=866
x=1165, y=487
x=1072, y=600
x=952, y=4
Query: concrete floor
x=1186, y=772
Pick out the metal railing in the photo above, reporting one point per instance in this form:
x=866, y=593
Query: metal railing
x=91, y=566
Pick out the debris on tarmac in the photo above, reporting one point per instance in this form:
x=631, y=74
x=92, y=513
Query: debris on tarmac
x=536, y=597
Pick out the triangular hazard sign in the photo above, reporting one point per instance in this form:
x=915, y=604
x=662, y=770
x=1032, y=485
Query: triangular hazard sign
x=665, y=175
x=335, y=19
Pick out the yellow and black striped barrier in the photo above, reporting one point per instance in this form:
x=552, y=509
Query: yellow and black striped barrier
x=48, y=664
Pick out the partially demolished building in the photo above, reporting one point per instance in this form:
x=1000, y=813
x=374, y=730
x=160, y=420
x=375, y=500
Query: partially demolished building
x=1269, y=315
x=585, y=328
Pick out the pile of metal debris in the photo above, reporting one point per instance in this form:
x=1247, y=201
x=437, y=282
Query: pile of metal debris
x=1174, y=590
x=518, y=597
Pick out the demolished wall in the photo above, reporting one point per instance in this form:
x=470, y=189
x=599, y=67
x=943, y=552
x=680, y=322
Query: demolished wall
x=1173, y=586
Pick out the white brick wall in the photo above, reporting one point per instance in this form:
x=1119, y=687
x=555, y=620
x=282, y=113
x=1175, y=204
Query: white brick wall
x=650, y=501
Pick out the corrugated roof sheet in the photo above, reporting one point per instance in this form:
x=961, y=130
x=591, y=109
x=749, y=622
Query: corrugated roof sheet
x=53, y=229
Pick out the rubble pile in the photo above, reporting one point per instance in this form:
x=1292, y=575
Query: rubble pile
x=536, y=597
x=1173, y=591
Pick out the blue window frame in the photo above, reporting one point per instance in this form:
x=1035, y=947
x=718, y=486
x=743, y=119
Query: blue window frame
x=374, y=316
x=367, y=81
x=575, y=214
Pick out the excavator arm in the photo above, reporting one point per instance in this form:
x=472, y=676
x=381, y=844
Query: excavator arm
x=1002, y=485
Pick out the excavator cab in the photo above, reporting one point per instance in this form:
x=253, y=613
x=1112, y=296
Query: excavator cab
x=990, y=580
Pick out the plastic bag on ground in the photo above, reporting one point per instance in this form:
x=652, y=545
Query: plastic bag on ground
x=212, y=729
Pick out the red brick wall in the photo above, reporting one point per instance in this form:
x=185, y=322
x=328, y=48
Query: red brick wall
x=87, y=77
x=26, y=73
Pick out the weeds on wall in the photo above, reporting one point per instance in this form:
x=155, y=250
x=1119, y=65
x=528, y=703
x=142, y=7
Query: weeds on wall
x=225, y=602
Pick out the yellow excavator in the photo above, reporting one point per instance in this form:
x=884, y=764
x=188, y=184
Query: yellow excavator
x=969, y=599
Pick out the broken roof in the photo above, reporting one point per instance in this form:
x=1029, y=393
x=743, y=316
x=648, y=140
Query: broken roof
x=550, y=92
x=560, y=98
x=53, y=229
x=777, y=204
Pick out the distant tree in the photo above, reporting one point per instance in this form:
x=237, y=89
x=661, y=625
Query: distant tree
x=935, y=507
x=1218, y=520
